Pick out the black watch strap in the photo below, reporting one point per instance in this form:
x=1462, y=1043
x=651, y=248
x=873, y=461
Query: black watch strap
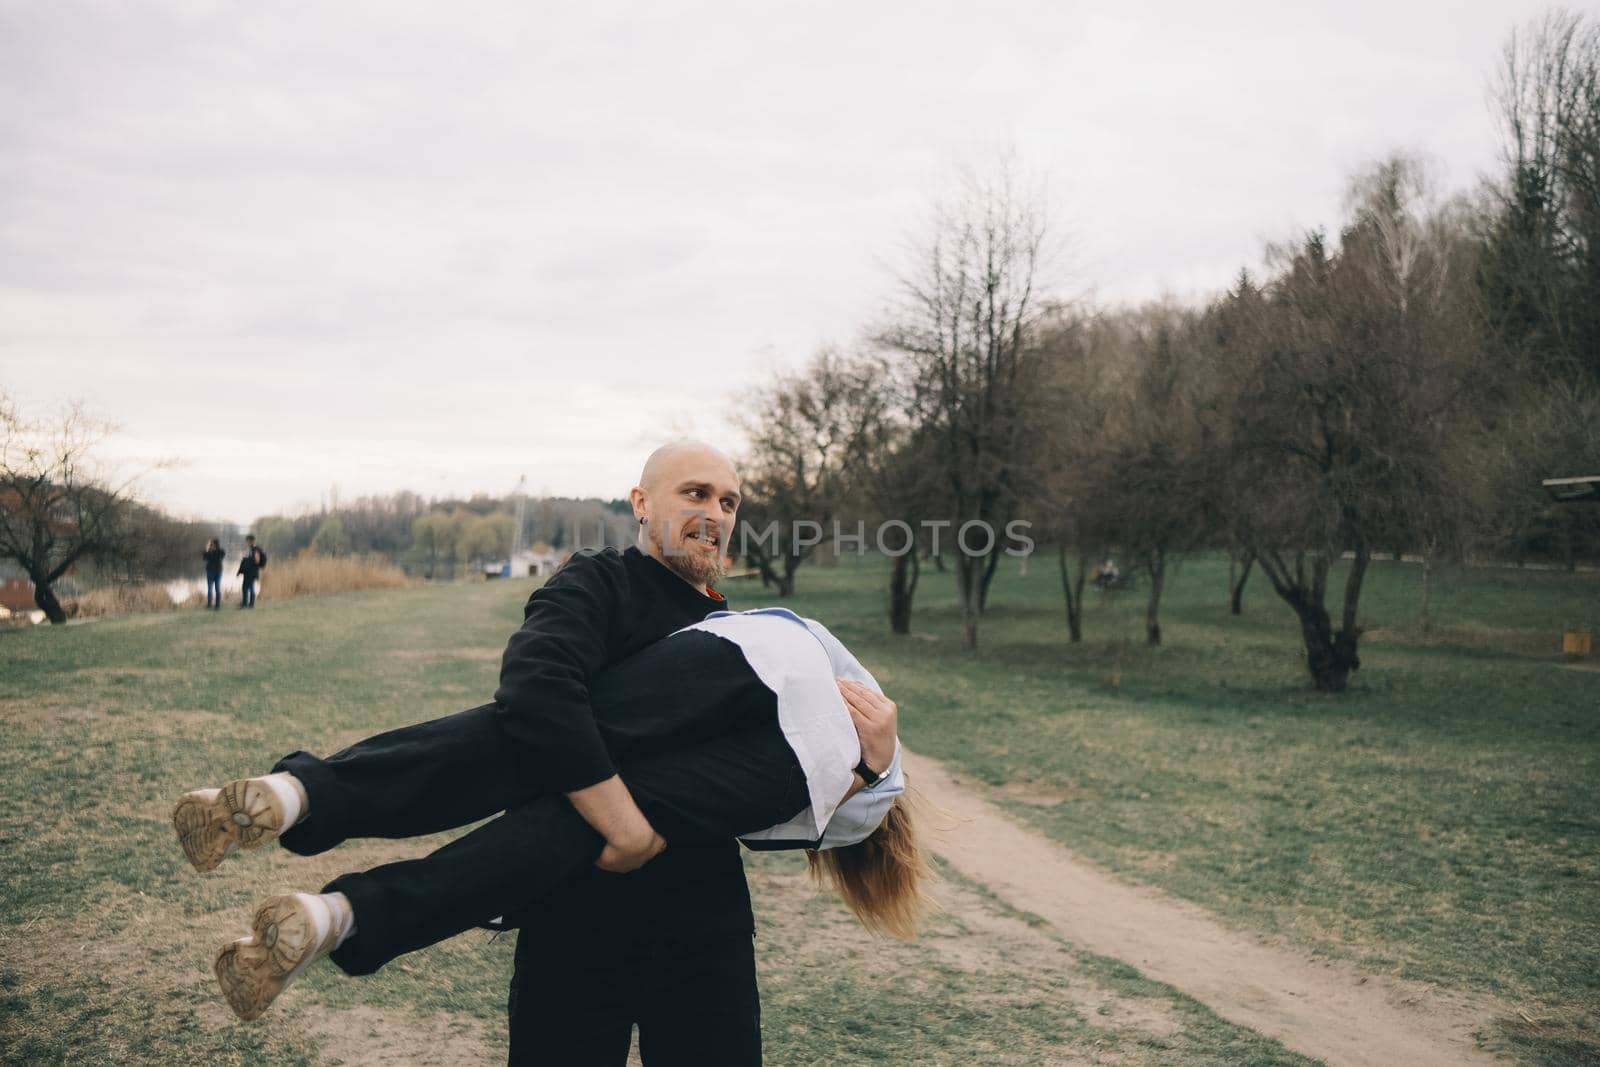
x=870, y=776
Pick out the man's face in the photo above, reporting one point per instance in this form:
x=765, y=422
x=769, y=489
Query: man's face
x=691, y=510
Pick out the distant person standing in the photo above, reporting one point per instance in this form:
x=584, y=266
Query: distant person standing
x=250, y=570
x=213, y=556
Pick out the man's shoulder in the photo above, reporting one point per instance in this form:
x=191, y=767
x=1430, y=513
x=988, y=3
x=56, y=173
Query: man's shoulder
x=630, y=564
x=592, y=568
x=593, y=557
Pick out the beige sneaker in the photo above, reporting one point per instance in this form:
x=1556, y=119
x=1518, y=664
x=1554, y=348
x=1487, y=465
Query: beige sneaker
x=213, y=824
x=283, y=941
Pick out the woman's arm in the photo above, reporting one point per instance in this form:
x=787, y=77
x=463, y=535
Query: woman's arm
x=876, y=719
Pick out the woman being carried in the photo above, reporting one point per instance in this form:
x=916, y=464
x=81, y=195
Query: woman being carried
x=756, y=725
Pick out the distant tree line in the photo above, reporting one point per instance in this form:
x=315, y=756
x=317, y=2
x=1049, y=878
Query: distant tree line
x=442, y=538
x=1400, y=385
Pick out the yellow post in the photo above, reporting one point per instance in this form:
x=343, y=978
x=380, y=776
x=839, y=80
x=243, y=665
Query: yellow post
x=1576, y=642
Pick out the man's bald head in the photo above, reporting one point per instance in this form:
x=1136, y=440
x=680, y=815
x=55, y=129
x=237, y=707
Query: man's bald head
x=673, y=456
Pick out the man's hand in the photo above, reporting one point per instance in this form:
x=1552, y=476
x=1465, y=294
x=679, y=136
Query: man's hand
x=622, y=857
x=631, y=841
x=875, y=717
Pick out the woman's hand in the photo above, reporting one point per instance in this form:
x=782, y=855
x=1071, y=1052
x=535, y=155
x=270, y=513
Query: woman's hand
x=875, y=717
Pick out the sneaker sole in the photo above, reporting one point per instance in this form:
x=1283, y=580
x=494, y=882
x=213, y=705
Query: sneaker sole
x=254, y=970
x=212, y=824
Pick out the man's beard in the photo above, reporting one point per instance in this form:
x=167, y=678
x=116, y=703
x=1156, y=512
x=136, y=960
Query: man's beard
x=691, y=563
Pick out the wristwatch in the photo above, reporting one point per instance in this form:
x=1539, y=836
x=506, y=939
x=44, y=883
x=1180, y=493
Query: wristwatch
x=870, y=776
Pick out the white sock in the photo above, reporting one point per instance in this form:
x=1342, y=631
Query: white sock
x=330, y=913
x=342, y=914
x=287, y=790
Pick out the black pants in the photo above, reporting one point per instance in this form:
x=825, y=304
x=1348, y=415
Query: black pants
x=695, y=1005
x=692, y=728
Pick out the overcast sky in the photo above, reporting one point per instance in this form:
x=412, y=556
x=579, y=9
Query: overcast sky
x=437, y=247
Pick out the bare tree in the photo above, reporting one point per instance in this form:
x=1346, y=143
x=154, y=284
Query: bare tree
x=897, y=486
x=486, y=538
x=1085, y=372
x=431, y=536
x=1539, y=284
x=1549, y=430
x=1124, y=445
x=1344, y=381
x=1150, y=490
x=1541, y=275
x=331, y=538
x=805, y=429
x=1240, y=562
x=58, y=503
x=965, y=335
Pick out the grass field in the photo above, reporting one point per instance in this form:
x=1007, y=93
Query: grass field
x=106, y=935
x=1439, y=821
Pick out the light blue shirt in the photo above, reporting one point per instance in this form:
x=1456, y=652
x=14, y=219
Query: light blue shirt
x=798, y=659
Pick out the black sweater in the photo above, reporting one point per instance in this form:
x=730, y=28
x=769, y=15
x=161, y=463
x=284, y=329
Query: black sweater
x=600, y=607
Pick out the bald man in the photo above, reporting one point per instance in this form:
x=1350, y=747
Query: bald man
x=654, y=936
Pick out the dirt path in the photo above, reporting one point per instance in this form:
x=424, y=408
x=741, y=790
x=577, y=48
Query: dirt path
x=1321, y=1008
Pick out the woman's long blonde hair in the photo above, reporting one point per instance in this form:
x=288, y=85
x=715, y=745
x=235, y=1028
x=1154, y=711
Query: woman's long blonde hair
x=882, y=879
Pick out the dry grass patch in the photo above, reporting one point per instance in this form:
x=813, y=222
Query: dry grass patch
x=309, y=575
x=1042, y=794
x=127, y=598
x=47, y=712
x=304, y=575
x=363, y=1035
